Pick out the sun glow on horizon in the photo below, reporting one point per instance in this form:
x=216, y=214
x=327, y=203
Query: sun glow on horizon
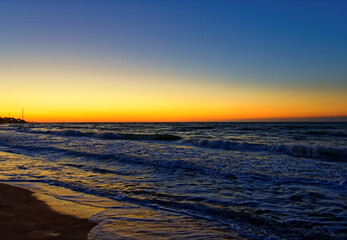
x=68, y=93
x=85, y=61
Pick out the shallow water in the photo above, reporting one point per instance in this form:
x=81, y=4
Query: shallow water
x=191, y=180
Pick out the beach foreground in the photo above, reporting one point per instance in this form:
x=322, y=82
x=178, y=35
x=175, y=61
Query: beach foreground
x=150, y=181
x=22, y=216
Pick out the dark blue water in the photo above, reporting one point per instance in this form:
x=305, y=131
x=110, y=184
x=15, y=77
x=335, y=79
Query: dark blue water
x=192, y=180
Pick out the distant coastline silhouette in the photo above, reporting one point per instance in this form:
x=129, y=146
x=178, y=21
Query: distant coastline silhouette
x=11, y=120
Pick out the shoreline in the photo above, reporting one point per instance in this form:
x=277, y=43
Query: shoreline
x=24, y=216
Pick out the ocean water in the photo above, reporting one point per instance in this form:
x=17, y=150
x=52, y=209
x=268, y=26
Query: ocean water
x=190, y=180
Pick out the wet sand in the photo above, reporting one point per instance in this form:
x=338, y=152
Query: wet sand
x=23, y=216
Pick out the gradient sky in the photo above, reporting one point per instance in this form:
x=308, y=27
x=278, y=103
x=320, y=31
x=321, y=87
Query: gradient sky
x=188, y=60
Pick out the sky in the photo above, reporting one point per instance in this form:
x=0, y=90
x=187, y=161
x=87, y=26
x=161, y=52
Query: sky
x=179, y=60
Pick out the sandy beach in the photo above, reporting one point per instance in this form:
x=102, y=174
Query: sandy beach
x=23, y=216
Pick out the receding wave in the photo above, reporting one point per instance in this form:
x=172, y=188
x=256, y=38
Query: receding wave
x=164, y=163
x=316, y=151
x=111, y=135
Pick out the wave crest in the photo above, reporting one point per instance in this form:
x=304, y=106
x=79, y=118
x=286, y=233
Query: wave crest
x=316, y=151
x=111, y=135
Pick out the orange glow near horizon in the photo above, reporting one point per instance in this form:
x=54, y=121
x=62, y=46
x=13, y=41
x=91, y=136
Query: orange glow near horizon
x=155, y=61
x=84, y=94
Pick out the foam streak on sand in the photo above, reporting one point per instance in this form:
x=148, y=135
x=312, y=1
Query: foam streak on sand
x=22, y=216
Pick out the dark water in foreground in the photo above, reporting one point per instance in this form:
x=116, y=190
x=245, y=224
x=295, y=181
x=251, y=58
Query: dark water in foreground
x=191, y=180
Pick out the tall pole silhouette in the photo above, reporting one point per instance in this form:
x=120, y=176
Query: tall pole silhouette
x=22, y=113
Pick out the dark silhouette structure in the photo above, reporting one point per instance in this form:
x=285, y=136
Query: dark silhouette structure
x=11, y=120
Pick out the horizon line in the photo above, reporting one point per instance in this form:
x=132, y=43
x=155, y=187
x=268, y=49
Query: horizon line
x=287, y=119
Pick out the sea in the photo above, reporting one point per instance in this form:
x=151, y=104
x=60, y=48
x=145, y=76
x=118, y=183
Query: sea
x=210, y=180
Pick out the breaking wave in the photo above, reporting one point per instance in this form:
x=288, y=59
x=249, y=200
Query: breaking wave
x=111, y=135
x=316, y=151
x=297, y=150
